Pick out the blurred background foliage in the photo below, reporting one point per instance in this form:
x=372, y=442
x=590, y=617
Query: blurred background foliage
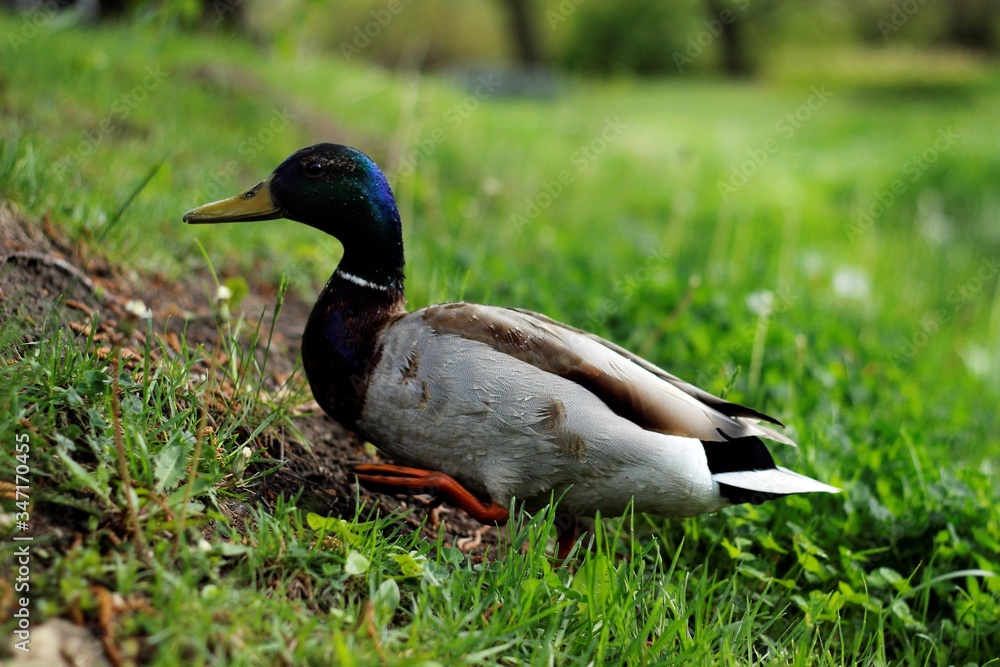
x=644, y=37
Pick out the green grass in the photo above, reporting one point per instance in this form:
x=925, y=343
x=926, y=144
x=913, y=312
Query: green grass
x=881, y=351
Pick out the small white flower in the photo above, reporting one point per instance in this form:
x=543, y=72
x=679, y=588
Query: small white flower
x=932, y=222
x=978, y=360
x=812, y=263
x=851, y=282
x=134, y=311
x=760, y=303
x=241, y=461
x=138, y=309
x=223, y=293
x=491, y=186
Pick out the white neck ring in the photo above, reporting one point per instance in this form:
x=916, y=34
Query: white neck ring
x=361, y=282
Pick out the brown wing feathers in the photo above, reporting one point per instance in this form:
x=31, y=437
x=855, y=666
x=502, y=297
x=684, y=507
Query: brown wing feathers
x=725, y=407
x=661, y=403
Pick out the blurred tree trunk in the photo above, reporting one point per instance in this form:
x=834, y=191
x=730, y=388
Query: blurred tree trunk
x=735, y=60
x=227, y=14
x=972, y=24
x=523, y=32
x=112, y=9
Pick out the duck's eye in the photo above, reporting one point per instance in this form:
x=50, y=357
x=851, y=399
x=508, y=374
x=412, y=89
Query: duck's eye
x=314, y=168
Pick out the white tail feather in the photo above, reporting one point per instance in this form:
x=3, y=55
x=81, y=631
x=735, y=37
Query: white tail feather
x=775, y=480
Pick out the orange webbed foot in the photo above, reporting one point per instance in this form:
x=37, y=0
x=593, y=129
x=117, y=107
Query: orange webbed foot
x=393, y=477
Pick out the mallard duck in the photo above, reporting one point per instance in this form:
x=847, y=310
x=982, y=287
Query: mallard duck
x=483, y=404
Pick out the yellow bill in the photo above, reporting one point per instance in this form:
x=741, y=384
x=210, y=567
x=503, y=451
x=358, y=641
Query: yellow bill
x=254, y=204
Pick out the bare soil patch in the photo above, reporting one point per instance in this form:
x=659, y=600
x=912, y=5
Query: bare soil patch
x=44, y=278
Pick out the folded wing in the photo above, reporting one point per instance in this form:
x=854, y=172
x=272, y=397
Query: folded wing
x=629, y=385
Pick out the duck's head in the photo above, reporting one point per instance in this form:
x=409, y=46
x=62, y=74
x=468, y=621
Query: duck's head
x=336, y=189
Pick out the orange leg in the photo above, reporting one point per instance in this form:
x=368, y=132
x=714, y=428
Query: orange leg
x=432, y=481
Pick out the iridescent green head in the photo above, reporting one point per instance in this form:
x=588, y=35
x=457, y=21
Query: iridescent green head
x=336, y=189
